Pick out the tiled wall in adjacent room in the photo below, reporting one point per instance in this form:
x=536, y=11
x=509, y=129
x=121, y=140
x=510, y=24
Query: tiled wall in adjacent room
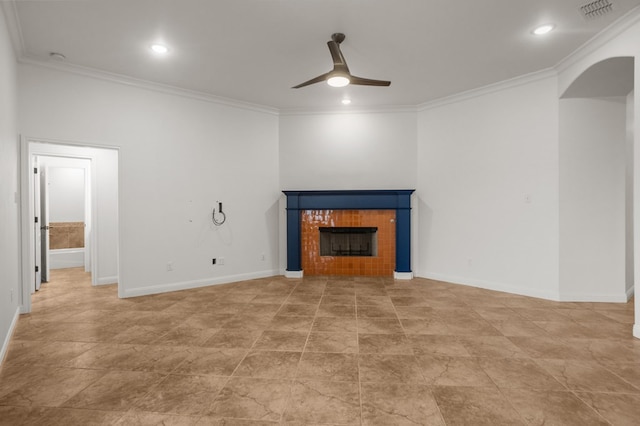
x=64, y=235
x=381, y=265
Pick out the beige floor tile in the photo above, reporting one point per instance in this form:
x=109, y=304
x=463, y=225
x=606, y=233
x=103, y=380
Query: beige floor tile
x=389, y=369
x=297, y=310
x=384, y=344
x=68, y=416
x=379, y=326
x=334, y=325
x=383, y=301
x=116, y=391
x=217, y=421
x=588, y=376
x=251, y=398
x=618, y=409
x=149, y=419
x=424, y=326
x=492, y=347
x=548, y=348
x=399, y=404
x=269, y=365
x=290, y=323
x=239, y=339
x=332, y=342
x=345, y=299
x=52, y=390
x=522, y=328
x=320, y=402
x=185, y=395
x=220, y=362
x=329, y=367
x=376, y=311
x=546, y=407
x=281, y=341
x=437, y=345
x=233, y=351
x=475, y=406
x=519, y=373
x=453, y=371
x=340, y=311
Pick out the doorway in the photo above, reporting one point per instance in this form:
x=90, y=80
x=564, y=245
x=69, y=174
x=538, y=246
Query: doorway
x=63, y=210
x=78, y=185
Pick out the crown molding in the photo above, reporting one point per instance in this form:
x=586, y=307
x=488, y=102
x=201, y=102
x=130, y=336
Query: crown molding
x=145, y=84
x=612, y=31
x=388, y=109
x=13, y=25
x=490, y=88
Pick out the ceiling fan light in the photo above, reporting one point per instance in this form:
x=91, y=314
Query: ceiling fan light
x=338, y=81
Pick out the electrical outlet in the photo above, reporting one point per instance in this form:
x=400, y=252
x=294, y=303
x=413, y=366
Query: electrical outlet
x=221, y=261
x=169, y=266
x=263, y=257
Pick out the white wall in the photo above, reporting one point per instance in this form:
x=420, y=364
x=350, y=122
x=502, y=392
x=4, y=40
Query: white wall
x=629, y=232
x=487, y=190
x=348, y=151
x=9, y=219
x=177, y=156
x=66, y=194
x=592, y=199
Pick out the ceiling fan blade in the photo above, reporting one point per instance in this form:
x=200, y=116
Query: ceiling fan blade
x=317, y=79
x=368, y=82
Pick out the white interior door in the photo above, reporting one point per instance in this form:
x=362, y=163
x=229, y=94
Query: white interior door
x=44, y=226
x=36, y=225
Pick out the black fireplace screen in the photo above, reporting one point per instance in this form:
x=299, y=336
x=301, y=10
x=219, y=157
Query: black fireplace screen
x=348, y=241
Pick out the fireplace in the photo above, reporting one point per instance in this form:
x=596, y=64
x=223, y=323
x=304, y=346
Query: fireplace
x=316, y=215
x=348, y=241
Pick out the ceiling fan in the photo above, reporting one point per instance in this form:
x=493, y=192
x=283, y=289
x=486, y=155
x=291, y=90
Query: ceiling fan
x=340, y=75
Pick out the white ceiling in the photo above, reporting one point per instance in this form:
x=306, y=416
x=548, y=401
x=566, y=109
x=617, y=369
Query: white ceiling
x=255, y=50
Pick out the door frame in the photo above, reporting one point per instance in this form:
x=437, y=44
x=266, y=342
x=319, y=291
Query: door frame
x=27, y=211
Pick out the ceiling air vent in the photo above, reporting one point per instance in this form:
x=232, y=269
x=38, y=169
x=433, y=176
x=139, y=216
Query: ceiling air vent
x=596, y=9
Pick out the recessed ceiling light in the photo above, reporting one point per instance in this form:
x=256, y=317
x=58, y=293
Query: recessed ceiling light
x=160, y=49
x=346, y=101
x=543, y=29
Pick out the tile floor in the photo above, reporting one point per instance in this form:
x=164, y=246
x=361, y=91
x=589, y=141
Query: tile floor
x=353, y=351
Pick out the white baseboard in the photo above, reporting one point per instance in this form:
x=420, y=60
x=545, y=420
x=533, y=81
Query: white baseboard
x=549, y=295
x=630, y=293
x=636, y=331
x=402, y=275
x=107, y=280
x=488, y=285
x=66, y=258
x=7, y=338
x=594, y=297
x=293, y=274
x=186, y=285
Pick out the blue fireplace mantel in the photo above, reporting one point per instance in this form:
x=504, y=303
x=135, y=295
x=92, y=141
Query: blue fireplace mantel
x=384, y=199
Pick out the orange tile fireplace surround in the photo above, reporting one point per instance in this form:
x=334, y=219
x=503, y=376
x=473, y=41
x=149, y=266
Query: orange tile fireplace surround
x=381, y=265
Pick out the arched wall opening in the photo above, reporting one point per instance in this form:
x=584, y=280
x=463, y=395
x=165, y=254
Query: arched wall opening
x=596, y=170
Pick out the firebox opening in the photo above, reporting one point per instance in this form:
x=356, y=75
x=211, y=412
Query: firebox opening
x=349, y=241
